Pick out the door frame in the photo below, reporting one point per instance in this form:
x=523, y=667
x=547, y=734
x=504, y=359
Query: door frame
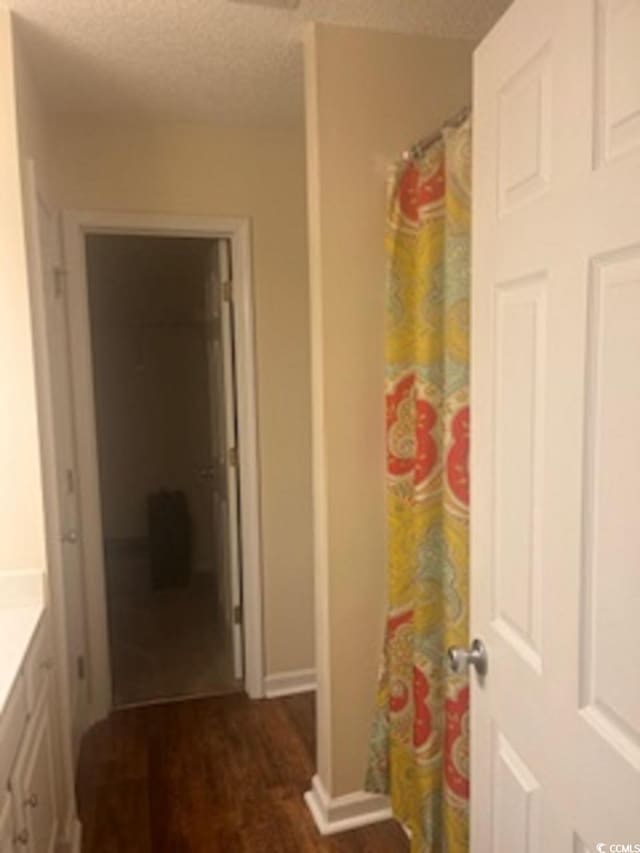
x=35, y=193
x=77, y=226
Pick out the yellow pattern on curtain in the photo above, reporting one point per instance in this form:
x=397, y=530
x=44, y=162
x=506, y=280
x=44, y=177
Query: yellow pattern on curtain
x=420, y=743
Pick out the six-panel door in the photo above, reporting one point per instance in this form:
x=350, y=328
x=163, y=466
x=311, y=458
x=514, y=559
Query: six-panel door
x=555, y=468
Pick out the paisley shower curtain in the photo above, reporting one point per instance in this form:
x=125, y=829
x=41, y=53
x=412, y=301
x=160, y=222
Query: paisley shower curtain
x=420, y=743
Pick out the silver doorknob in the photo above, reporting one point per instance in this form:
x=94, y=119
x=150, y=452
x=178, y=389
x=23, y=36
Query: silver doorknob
x=460, y=659
x=70, y=536
x=32, y=801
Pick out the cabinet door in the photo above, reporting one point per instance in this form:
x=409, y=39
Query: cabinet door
x=7, y=831
x=33, y=784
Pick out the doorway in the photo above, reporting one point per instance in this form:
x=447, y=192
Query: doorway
x=234, y=273
x=162, y=355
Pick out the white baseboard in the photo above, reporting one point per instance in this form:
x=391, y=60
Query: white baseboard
x=288, y=683
x=350, y=811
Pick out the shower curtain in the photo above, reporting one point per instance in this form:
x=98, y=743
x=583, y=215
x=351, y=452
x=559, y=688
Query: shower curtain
x=420, y=744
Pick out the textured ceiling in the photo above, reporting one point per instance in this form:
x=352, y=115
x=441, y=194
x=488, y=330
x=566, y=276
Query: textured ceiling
x=205, y=60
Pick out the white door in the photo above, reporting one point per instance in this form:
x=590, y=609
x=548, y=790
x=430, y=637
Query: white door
x=56, y=414
x=555, y=565
x=223, y=427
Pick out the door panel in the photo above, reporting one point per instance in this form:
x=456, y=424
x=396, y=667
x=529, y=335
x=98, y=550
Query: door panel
x=519, y=388
x=517, y=802
x=610, y=695
x=617, y=79
x=555, y=465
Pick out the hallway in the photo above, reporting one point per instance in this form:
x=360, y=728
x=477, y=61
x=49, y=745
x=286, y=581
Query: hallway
x=221, y=774
x=165, y=643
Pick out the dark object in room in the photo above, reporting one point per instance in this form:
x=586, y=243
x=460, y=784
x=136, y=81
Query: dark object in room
x=169, y=540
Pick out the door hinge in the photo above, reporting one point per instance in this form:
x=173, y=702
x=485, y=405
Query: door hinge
x=237, y=614
x=71, y=487
x=59, y=278
x=80, y=668
x=232, y=456
x=227, y=291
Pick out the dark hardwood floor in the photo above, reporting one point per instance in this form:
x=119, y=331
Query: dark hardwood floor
x=201, y=776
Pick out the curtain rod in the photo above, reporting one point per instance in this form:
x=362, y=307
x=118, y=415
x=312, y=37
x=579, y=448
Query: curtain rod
x=423, y=145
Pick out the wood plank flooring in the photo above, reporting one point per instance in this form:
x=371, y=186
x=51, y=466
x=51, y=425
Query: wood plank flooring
x=201, y=776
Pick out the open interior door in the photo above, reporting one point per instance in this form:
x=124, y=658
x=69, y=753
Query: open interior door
x=555, y=472
x=223, y=428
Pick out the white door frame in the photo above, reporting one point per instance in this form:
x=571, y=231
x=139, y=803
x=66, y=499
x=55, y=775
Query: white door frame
x=49, y=458
x=77, y=225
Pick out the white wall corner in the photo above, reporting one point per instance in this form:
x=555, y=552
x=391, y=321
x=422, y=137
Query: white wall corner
x=288, y=683
x=350, y=811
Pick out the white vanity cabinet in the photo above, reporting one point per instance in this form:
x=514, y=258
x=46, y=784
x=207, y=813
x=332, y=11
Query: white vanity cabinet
x=29, y=820
x=32, y=785
x=7, y=829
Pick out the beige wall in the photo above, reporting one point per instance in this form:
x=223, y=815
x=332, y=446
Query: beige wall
x=33, y=130
x=260, y=174
x=22, y=543
x=369, y=96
